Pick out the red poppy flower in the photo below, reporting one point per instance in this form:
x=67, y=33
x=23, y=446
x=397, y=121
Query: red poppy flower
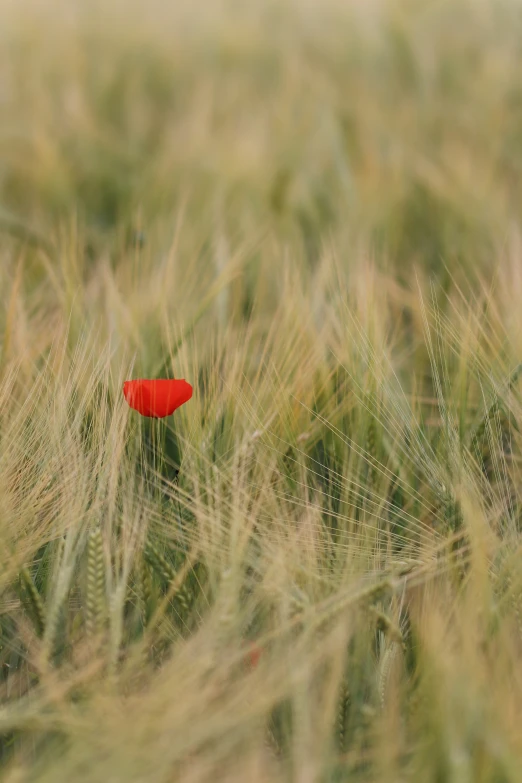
x=157, y=398
x=253, y=654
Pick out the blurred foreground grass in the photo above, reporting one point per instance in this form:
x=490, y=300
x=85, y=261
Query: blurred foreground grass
x=311, y=211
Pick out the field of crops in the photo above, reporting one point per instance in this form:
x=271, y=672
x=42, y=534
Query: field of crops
x=311, y=571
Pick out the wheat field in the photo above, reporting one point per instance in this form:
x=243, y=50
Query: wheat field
x=310, y=210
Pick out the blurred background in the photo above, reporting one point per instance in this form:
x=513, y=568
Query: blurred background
x=392, y=123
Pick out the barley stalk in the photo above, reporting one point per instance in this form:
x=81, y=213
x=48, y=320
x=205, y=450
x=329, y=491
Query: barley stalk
x=388, y=658
x=342, y=712
x=184, y=595
x=95, y=582
x=145, y=590
x=159, y=563
x=35, y=603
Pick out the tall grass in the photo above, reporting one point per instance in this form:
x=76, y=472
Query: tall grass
x=311, y=571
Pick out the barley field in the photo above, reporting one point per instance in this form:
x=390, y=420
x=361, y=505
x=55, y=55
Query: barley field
x=311, y=211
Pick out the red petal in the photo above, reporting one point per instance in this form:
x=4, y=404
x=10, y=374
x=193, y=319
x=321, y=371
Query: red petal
x=156, y=398
x=254, y=654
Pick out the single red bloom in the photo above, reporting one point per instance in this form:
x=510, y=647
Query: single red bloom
x=253, y=654
x=157, y=398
